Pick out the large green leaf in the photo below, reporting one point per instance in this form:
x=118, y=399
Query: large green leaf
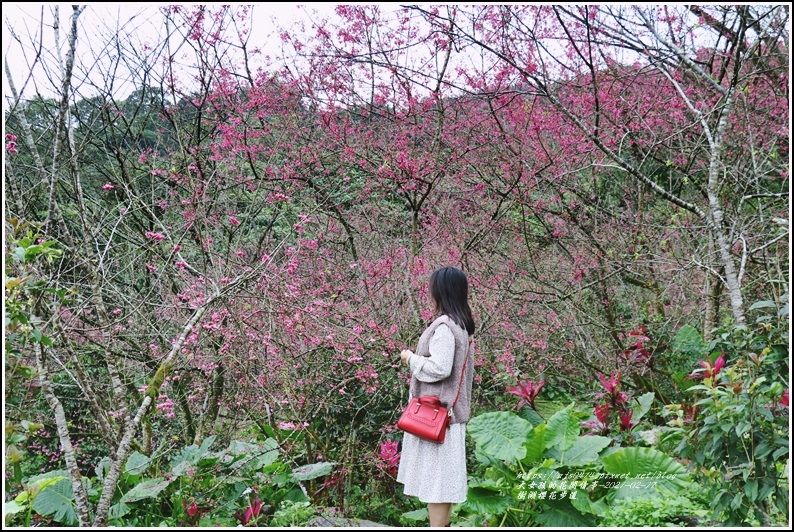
x=206, y=443
x=562, y=514
x=500, y=434
x=535, y=444
x=118, y=510
x=582, y=502
x=56, y=474
x=642, y=472
x=209, y=459
x=145, y=490
x=763, y=304
x=310, y=471
x=494, y=468
x=102, y=468
x=486, y=460
x=645, y=400
x=486, y=500
x=268, y=453
x=528, y=413
x=584, y=451
x=254, y=455
x=57, y=500
x=239, y=448
x=562, y=430
x=190, y=456
x=137, y=464
x=11, y=508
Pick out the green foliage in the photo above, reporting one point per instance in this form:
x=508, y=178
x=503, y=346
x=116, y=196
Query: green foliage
x=380, y=501
x=57, y=501
x=687, y=347
x=27, y=291
x=659, y=511
x=500, y=434
x=415, y=516
x=739, y=437
x=644, y=463
x=144, y=490
x=224, y=483
x=145, y=146
x=584, y=451
x=312, y=471
x=24, y=285
x=46, y=494
x=196, y=486
x=16, y=435
x=292, y=513
x=550, y=475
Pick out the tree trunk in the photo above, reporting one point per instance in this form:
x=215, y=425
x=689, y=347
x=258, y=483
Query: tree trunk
x=80, y=496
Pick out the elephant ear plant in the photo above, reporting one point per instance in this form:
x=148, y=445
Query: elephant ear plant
x=548, y=474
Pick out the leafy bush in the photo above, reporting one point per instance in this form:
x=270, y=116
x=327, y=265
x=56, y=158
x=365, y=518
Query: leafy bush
x=244, y=483
x=292, y=513
x=549, y=475
x=737, y=426
x=658, y=511
x=380, y=502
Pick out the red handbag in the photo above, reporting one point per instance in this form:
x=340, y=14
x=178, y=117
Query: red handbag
x=425, y=417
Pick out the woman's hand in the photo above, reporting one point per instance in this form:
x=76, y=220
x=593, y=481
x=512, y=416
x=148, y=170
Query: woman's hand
x=405, y=354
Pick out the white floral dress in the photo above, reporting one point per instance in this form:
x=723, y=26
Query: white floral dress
x=430, y=471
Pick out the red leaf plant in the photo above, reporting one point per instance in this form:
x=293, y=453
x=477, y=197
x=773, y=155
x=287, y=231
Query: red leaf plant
x=613, y=409
x=599, y=425
x=191, y=509
x=611, y=385
x=252, y=511
x=193, y=512
x=389, y=457
x=626, y=424
x=602, y=413
x=711, y=370
x=527, y=391
x=639, y=356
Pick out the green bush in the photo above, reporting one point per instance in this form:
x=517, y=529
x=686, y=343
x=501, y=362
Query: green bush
x=547, y=474
x=737, y=431
x=292, y=513
x=658, y=511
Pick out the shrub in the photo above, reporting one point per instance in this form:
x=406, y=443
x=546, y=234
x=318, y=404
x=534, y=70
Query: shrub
x=737, y=431
x=659, y=511
x=548, y=474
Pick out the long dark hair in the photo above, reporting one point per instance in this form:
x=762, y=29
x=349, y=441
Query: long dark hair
x=449, y=289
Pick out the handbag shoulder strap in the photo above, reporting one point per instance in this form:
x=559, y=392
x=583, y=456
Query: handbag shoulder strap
x=462, y=373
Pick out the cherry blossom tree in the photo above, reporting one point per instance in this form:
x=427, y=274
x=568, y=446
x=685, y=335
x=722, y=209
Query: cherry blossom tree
x=705, y=66
x=620, y=92
x=247, y=238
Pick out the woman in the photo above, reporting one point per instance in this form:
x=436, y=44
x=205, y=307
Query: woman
x=436, y=473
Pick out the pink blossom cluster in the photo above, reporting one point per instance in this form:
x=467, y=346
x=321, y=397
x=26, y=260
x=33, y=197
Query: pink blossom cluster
x=11, y=143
